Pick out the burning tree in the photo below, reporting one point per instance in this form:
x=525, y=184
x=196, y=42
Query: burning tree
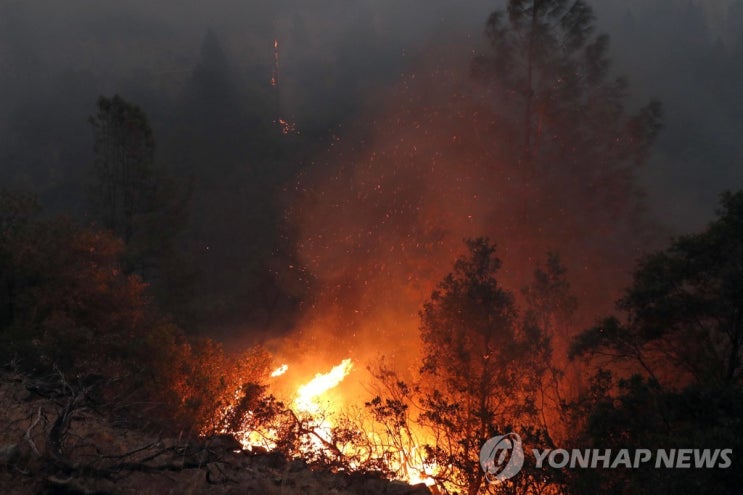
x=482, y=372
x=480, y=366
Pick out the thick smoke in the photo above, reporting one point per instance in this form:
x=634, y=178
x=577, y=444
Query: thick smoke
x=382, y=219
x=379, y=218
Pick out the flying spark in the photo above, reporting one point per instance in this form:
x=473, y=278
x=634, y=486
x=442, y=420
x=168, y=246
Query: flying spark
x=280, y=370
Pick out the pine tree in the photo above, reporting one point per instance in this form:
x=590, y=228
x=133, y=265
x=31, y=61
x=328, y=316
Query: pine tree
x=549, y=74
x=139, y=203
x=125, y=149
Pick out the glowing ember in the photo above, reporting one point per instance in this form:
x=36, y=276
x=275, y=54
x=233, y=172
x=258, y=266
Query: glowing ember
x=280, y=370
x=287, y=127
x=275, y=75
x=307, y=393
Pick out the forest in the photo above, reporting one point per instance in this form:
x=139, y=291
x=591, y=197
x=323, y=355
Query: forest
x=371, y=248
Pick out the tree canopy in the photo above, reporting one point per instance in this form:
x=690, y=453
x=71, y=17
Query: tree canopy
x=684, y=309
x=668, y=370
x=557, y=111
x=482, y=368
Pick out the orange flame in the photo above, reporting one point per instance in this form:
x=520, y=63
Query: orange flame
x=409, y=462
x=308, y=393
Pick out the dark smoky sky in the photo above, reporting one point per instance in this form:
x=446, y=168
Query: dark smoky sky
x=201, y=70
x=56, y=57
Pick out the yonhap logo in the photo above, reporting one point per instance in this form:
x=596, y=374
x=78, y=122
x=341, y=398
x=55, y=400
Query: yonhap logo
x=502, y=457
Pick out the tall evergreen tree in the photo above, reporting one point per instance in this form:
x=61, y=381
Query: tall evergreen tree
x=549, y=74
x=139, y=203
x=125, y=149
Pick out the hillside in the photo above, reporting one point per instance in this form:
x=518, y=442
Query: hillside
x=55, y=438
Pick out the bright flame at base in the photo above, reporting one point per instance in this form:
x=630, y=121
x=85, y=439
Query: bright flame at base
x=406, y=460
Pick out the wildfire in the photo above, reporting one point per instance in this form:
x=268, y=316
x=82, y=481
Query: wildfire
x=408, y=461
x=279, y=371
x=307, y=393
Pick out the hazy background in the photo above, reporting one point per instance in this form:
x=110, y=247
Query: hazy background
x=201, y=71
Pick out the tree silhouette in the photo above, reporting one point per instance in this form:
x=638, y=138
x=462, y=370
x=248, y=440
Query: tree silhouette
x=681, y=339
x=139, y=203
x=684, y=309
x=125, y=149
x=481, y=369
x=547, y=65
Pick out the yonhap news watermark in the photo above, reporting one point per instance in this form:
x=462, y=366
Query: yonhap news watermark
x=502, y=457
